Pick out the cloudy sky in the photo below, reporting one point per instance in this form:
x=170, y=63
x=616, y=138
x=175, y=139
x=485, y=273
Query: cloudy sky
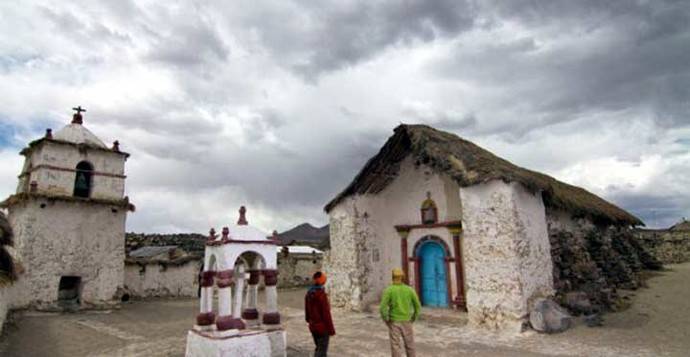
x=277, y=104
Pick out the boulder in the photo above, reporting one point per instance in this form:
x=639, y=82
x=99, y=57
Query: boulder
x=549, y=317
x=578, y=303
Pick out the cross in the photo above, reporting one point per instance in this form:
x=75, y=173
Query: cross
x=79, y=109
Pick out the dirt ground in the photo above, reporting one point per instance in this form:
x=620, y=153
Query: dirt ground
x=657, y=324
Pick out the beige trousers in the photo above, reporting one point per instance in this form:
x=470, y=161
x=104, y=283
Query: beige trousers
x=401, y=336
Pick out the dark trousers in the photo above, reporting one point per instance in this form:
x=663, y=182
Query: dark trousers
x=321, y=342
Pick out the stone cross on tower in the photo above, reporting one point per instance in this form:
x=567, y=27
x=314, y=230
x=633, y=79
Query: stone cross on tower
x=77, y=118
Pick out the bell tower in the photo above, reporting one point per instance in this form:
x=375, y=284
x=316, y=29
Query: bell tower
x=69, y=214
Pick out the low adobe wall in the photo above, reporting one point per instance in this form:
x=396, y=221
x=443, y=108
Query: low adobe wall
x=296, y=269
x=669, y=247
x=162, y=280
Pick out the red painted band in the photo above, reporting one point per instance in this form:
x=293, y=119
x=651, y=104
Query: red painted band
x=224, y=323
x=205, y=319
x=270, y=277
x=408, y=227
x=271, y=318
x=250, y=314
x=57, y=168
x=224, y=283
x=254, y=276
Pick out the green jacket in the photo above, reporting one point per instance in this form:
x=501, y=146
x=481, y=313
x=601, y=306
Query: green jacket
x=399, y=303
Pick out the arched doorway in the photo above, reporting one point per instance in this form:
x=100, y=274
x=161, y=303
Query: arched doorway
x=433, y=275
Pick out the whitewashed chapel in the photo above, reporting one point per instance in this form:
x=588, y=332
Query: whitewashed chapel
x=469, y=229
x=68, y=216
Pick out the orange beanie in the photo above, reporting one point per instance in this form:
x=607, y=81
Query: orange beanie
x=319, y=278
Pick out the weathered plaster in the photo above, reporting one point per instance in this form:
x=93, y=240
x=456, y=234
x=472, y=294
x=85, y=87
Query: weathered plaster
x=163, y=280
x=507, y=261
x=56, y=238
x=59, y=182
x=365, y=246
x=296, y=269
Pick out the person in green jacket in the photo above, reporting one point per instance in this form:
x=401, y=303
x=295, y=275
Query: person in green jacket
x=399, y=308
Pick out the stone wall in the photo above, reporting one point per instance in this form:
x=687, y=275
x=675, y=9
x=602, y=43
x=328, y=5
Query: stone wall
x=668, y=246
x=58, y=238
x=297, y=269
x=189, y=242
x=163, y=280
x=507, y=258
x=591, y=262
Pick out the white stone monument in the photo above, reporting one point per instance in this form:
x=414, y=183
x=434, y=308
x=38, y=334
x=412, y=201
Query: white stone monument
x=232, y=331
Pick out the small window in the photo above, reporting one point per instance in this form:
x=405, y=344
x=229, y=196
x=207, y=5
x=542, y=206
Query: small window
x=83, y=179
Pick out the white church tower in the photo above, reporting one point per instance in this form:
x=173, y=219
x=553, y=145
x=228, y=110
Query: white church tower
x=69, y=216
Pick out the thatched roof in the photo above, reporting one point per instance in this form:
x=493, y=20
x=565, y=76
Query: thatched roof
x=469, y=164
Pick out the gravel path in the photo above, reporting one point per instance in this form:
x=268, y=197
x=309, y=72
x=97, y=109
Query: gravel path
x=657, y=324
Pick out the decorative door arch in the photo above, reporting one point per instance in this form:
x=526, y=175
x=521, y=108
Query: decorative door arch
x=433, y=275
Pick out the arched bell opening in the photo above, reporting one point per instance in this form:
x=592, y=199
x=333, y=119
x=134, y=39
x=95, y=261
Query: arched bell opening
x=83, y=179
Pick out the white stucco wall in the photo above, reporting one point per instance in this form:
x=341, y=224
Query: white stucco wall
x=365, y=246
x=157, y=280
x=57, y=182
x=507, y=260
x=68, y=239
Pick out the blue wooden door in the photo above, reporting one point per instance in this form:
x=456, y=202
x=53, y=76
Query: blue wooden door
x=433, y=275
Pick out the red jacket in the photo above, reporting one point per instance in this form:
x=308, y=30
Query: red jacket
x=317, y=312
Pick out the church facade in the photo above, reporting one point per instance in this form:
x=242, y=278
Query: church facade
x=471, y=231
x=68, y=216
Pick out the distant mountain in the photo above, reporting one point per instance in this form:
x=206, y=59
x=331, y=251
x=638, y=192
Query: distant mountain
x=306, y=234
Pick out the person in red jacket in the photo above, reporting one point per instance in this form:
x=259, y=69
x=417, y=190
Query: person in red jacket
x=317, y=312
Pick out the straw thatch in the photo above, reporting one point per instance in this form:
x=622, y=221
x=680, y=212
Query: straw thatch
x=469, y=164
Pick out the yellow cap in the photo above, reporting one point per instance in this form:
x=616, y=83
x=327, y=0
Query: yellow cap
x=398, y=273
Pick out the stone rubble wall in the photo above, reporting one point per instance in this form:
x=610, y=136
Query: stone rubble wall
x=162, y=280
x=68, y=239
x=592, y=262
x=189, y=242
x=669, y=247
x=507, y=260
x=297, y=269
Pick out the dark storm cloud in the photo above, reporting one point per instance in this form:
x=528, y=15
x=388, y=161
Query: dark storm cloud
x=578, y=58
x=279, y=104
x=319, y=38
